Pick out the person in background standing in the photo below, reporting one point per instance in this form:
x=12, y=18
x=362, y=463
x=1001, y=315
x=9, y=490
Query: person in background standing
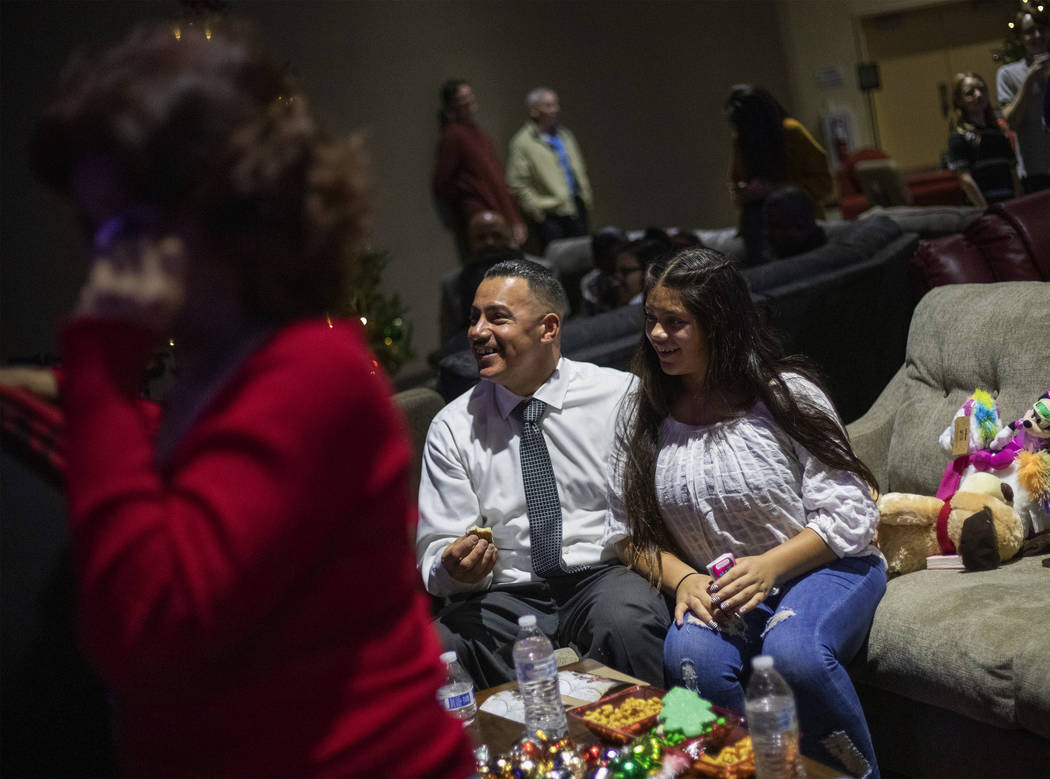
x=468, y=175
x=978, y=150
x=1021, y=86
x=546, y=172
x=770, y=149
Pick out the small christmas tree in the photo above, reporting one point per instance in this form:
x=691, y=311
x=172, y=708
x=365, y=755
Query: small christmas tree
x=382, y=314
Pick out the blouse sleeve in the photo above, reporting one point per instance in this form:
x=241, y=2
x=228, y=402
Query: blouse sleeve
x=838, y=504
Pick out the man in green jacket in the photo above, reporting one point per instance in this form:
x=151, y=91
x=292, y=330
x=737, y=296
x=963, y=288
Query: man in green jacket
x=546, y=172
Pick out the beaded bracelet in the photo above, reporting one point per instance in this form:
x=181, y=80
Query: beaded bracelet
x=691, y=573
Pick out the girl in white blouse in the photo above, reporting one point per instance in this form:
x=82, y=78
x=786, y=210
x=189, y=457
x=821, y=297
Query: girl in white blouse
x=728, y=446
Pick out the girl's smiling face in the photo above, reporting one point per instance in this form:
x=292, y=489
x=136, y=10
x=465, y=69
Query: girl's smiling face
x=676, y=337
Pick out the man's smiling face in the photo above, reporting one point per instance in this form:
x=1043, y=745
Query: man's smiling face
x=510, y=335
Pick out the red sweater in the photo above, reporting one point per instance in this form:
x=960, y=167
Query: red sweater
x=255, y=609
x=469, y=176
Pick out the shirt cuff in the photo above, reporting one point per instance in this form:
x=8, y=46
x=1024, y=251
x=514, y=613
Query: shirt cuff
x=441, y=583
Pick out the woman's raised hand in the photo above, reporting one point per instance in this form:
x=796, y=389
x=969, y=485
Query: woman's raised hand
x=138, y=279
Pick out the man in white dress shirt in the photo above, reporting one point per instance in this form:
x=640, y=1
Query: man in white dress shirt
x=472, y=476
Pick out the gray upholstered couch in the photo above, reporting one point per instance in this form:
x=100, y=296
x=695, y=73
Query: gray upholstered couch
x=955, y=677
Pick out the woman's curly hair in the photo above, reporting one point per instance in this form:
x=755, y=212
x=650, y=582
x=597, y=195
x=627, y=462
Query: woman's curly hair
x=208, y=126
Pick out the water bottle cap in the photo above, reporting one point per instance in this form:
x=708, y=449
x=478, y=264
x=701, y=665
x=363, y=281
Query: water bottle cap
x=527, y=620
x=762, y=662
x=448, y=657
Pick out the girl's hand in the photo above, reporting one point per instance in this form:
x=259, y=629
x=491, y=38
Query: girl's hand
x=138, y=279
x=744, y=586
x=693, y=597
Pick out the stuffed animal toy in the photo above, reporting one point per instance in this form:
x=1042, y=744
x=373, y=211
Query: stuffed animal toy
x=1018, y=453
x=978, y=522
x=982, y=411
x=1031, y=432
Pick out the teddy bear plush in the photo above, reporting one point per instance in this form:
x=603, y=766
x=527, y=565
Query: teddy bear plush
x=978, y=522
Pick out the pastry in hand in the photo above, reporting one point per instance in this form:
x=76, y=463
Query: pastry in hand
x=480, y=532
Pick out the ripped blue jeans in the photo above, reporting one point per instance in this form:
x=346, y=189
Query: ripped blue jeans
x=812, y=628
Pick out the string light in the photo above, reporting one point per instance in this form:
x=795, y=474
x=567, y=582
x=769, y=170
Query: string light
x=207, y=33
x=177, y=32
x=171, y=342
x=364, y=320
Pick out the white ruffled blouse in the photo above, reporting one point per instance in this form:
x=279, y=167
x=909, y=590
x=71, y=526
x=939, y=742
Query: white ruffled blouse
x=743, y=485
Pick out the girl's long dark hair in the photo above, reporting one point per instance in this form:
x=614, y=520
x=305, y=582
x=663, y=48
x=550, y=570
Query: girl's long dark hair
x=759, y=122
x=746, y=365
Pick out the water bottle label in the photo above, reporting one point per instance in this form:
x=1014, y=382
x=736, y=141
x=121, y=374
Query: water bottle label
x=538, y=671
x=454, y=702
x=786, y=719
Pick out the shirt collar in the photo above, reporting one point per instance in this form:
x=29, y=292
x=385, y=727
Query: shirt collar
x=552, y=392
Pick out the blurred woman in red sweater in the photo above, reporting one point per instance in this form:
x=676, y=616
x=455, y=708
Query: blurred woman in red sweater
x=246, y=583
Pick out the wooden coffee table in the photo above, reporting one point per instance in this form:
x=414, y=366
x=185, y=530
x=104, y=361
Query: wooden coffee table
x=500, y=734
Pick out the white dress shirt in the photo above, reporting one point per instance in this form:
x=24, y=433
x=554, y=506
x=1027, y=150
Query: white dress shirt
x=744, y=486
x=472, y=473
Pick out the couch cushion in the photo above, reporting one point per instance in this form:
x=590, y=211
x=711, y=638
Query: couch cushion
x=725, y=240
x=974, y=642
x=570, y=255
x=965, y=337
x=927, y=221
x=848, y=244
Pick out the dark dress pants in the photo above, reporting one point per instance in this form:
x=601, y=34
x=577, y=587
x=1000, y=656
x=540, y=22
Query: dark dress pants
x=607, y=613
x=554, y=227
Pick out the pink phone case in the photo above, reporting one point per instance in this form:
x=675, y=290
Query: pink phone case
x=718, y=567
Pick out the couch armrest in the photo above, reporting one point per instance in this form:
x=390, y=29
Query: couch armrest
x=870, y=434
x=1027, y=215
x=953, y=259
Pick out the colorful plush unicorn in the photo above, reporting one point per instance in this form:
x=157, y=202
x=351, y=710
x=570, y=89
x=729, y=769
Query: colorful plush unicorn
x=1018, y=453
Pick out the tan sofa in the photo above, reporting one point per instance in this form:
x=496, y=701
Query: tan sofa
x=955, y=677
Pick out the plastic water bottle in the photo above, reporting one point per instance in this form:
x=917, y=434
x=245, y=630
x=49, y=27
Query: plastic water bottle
x=772, y=722
x=537, y=671
x=457, y=693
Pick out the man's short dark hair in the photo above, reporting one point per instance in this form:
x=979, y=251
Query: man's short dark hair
x=543, y=284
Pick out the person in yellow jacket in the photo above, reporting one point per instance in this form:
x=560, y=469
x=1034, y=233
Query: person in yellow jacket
x=546, y=172
x=770, y=150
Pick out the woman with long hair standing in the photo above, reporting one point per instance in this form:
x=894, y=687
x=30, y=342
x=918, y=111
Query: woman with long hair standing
x=728, y=446
x=978, y=149
x=770, y=150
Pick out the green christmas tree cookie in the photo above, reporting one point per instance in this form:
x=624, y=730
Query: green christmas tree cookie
x=685, y=711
